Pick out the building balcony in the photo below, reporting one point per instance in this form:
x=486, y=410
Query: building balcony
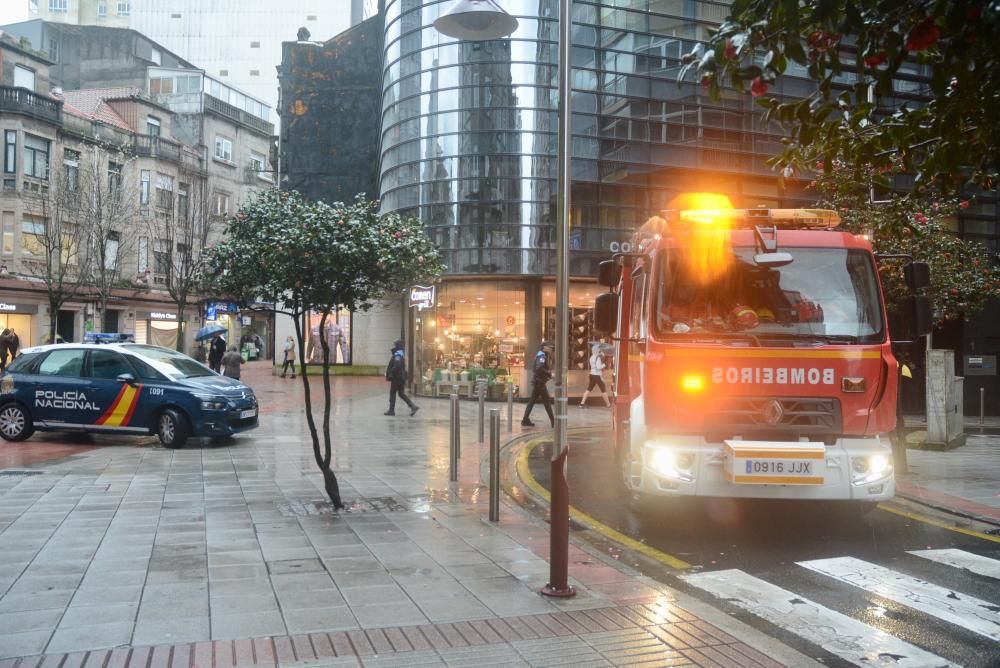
x=238, y=115
x=154, y=146
x=23, y=101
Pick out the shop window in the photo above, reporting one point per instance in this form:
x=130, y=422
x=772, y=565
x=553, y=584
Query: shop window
x=337, y=331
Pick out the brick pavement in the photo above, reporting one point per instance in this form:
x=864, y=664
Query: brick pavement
x=128, y=554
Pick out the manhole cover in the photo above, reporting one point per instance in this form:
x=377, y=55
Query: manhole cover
x=19, y=474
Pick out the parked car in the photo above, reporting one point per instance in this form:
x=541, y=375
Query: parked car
x=120, y=388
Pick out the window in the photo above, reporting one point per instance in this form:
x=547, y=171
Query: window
x=220, y=205
x=71, y=170
x=62, y=363
x=223, y=73
x=111, y=245
x=24, y=77
x=57, y=5
x=161, y=86
x=144, y=187
x=254, y=45
x=223, y=148
x=124, y=8
x=115, y=179
x=258, y=165
x=152, y=126
x=164, y=191
x=33, y=236
x=10, y=152
x=102, y=9
x=67, y=243
x=143, y=263
x=189, y=84
x=155, y=56
x=255, y=73
x=8, y=233
x=108, y=365
x=36, y=157
x=161, y=256
x=182, y=201
x=54, y=50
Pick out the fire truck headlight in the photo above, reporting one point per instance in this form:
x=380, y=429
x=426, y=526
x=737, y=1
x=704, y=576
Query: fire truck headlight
x=672, y=464
x=880, y=464
x=870, y=468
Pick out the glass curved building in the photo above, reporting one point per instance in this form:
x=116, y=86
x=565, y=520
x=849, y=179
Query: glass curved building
x=468, y=145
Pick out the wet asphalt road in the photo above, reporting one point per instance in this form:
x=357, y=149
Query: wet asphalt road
x=770, y=541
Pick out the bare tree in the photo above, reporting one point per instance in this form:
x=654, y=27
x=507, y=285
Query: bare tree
x=109, y=208
x=180, y=242
x=55, y=245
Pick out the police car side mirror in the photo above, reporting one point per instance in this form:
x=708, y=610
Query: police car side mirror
x=126, y=378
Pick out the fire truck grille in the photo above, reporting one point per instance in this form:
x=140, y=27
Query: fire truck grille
x=792, y=416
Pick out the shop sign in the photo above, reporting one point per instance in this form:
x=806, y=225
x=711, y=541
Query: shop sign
x=422, y=297
x=160, y=315
x=7, y=307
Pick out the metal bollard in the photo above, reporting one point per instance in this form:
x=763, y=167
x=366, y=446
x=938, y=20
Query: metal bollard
x=481, y=392
x=453, y=440
x=510, y=406
x=982, y=406
x=494, y=465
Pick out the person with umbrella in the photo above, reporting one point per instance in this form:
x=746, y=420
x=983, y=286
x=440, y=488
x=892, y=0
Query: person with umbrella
x=216, y=349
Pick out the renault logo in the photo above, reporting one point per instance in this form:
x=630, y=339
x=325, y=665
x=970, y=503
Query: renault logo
x=772, y=412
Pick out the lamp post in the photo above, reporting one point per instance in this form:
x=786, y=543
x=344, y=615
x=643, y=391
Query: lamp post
x=484, y=20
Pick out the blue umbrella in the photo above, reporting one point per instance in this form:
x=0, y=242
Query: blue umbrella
x=207, y=331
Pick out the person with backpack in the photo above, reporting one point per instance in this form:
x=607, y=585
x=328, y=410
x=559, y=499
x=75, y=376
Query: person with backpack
x=395, y=373
x=596, y=375
x=539, y=392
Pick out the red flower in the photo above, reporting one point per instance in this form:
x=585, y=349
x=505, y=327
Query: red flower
x=964, y=204
x=923, y=36
x=875, y=60
x=730, y=50
x=397, y=234
x=758, y=87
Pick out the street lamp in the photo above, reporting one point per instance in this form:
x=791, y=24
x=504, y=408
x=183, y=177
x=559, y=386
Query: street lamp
x=484, y=20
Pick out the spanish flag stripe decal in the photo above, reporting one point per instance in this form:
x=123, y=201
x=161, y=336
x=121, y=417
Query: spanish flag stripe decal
x=131, y=408
x=114, y=405
x=122, y=408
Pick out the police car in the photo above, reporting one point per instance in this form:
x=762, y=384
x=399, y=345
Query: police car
x=120, y=388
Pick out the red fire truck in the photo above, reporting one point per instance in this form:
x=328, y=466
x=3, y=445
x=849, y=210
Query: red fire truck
x=754, y=357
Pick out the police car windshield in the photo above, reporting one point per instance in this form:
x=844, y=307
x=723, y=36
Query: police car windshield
x=171, y=363
x=825, y=295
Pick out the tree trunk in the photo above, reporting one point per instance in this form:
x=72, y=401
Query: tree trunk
x=181, y=305
x=53, y=320
x=329, y=479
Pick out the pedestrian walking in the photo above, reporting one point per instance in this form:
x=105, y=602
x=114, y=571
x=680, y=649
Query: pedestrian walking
x=597, y=366
x=395, y=373
x=289, y=356
x=13, y=343
x=231, y=362
x=539, y=392
x=215, y=352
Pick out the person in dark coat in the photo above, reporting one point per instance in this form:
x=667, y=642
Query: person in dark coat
x=215, y=352
x=231, y=362
x=539, y=392
x=4, y=341
x=395, y=373
x=13, y=343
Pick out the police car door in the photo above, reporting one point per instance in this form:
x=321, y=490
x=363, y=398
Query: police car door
x=118, y=399
x=62, y=397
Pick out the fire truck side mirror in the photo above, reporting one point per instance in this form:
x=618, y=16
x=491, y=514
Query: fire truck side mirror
x=917, y=275
x=606, y=312
x=919, y=311
x=609, y=273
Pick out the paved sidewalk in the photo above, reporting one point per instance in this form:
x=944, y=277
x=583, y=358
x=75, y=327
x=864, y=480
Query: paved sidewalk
x=230, y=554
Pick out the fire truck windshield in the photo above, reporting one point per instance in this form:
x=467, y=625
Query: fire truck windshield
x=823, y=295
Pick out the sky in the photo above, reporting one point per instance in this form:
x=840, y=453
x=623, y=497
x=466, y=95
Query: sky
x=12, y=11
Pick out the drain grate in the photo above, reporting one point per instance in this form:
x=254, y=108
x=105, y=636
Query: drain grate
x=19, y=474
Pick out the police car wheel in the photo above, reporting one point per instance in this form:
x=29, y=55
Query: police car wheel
x=15, y=423
x=172, y=428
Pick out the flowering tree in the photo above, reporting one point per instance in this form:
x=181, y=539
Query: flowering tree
x=963, y=276
x=307, y=257
x=854, y=50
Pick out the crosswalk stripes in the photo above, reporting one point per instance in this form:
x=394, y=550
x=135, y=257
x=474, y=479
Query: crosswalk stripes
x=961, y=559
x=851, y=640
x=972, y=613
